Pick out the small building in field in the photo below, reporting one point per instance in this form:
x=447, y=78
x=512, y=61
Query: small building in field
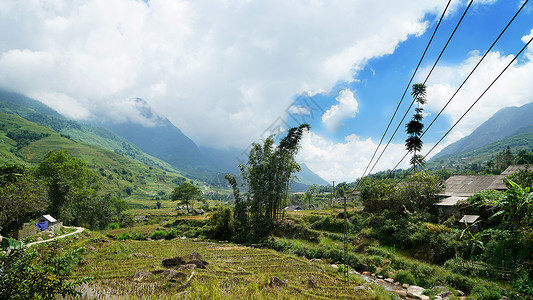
x=293, y=208
x=141, y=218
x=459, y=188
x=45, y=222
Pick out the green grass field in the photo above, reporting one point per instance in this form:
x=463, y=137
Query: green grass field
x=234, y=272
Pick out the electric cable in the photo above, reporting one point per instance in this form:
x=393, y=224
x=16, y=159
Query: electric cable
x=408, y=85
x=468, y=77
x=427, y=77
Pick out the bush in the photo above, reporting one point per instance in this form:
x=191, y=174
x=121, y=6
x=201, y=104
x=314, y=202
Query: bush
x=27, y=274
x=113, y=225
x=404, y=277
x=158, y=235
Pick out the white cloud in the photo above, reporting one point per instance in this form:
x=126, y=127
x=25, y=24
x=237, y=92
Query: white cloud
x=221, y=71
x=346, y=109
x=512, y=89
x=347, y=161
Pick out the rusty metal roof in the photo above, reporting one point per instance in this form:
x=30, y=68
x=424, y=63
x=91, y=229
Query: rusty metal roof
x=467, y=185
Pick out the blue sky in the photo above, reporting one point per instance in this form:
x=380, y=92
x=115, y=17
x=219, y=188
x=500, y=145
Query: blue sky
x=226, y=72
x=379, y=86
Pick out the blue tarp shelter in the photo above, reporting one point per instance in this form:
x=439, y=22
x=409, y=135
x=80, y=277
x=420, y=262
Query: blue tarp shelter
x=45, y=221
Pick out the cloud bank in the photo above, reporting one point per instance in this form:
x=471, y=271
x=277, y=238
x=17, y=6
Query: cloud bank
x=222, y=71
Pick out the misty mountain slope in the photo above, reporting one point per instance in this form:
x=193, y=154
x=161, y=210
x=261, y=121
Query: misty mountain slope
x=228, y=161
x=34, y=111
x=504, y=123
x=516, y=143
x=22, y=141
x=163, y=140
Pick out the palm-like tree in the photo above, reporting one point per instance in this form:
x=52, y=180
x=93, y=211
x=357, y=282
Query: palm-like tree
x=414, y=128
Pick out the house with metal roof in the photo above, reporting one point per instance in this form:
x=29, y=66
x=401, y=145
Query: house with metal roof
x=460, y=187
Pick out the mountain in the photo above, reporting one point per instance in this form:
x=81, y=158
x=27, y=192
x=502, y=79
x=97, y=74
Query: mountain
x=308, y=177
x=505, y=123
x=163, y=140
x=22, y=141
x=159, y=144
x=34, y=111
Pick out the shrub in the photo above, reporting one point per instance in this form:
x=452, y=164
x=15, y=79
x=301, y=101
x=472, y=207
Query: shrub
x=113, y=225
x=158, y=235
x=404, y=277
x=124, y=236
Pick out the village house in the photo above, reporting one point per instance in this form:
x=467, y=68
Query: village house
x=460, y=187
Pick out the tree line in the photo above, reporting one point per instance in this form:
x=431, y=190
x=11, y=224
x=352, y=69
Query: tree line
x=61, y=185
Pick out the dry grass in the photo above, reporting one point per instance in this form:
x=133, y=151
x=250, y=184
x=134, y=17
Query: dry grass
x=233, y=272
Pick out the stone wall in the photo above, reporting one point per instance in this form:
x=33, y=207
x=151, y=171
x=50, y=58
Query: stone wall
x=30, y=229
x=27, y=230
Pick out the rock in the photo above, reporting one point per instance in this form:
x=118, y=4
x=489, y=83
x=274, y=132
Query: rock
x=415, y=291
x=366, y=273
x=360, y=287
x=39, y=239
x=141, y=276
x=317, y=260
x=334, y=266
x=175, y=261
x=276, y=282
x=380, y=277
x=195, y=256
x=400, y=293
x=445, y=295
x=389, y=280
x=405, y=285
x=460, y=293
x=438, y=289
x=90, y=248
x=141, y=255
x=504, y=298
x=437, y=298
x=173, y=275
x=200, y=264
x=311, y=281
x=341, y=215
x=423, y=297
x=187, y=267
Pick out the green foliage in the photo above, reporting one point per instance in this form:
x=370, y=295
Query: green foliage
x=186, y=193
x=31, y=275
x=223, y=223
x=22, y=197
x=404, y=277
x=9, y=243
x=24, y=137
x=70, y=184
x=267, y=176
x=414, y=128
x=516, y=206
x=113, y=225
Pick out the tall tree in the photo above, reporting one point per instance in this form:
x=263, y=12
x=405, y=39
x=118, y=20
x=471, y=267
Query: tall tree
x=73, y=191
x=22, y=197
x=268, y=175
x=414, y=128
x=186, y=193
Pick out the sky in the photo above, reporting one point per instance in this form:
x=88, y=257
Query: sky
x=229, y=73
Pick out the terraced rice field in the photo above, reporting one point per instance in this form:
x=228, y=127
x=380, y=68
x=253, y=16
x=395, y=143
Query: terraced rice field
x=233, y=272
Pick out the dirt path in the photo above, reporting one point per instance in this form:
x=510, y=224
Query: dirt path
x=78, y=230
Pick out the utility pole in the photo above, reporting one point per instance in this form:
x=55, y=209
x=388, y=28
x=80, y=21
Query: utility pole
x=332, y=196
x=345, y=242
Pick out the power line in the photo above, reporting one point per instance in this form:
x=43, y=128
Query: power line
x=408, y=85
x=466, y=79
x=432, y=68
x=471, y=106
